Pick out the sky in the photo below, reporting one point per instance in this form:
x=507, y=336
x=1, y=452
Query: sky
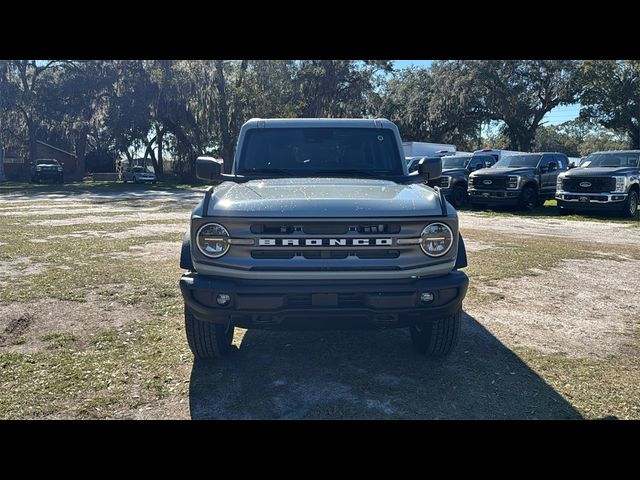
x=558, y=115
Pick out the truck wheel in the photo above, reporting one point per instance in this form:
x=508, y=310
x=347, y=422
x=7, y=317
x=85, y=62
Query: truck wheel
x=528, y=199
x=459, y=196
x=631, y=205
x=438, y=337
x=208, y=340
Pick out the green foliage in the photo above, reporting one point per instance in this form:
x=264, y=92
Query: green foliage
x=611, y=95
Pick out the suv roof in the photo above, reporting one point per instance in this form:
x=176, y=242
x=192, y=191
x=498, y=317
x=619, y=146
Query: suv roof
x=615, y=151
x=320, y=122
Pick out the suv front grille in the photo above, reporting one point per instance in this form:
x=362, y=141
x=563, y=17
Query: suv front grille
x=589, y=184
x=489, y=182
x=324, y=228
x=323, y=254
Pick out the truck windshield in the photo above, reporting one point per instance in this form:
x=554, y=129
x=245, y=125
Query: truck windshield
x=519, y=161
x=313, y=151
x=618, y=159
x=455, y=162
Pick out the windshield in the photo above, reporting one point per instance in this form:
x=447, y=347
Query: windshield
x=310, y=151
x=138, y=169
x=519, y=161
x=455, y=162
x=618, y=159
x=46, y=162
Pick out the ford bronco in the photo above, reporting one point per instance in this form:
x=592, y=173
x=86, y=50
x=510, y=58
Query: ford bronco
x=320, y=225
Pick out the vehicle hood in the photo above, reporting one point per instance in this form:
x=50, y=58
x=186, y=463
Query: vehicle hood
x=323, y=197
x=454, y=171
x=493, y=171
x=601, y=172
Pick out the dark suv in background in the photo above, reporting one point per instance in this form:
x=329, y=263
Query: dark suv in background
x=46, y=169
x=605, y=181
x=522, y=180
x=455, y=175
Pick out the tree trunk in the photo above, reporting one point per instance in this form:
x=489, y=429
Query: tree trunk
x=81, y=151
x=33, y=139
x=160, y=165
x=223, y=117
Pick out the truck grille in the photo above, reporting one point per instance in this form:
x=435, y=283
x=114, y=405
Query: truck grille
x=589, y=184
x=496, y=182
x=323, y=228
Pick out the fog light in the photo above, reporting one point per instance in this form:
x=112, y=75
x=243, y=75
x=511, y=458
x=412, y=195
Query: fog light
x=223, y=299
x=426, y=297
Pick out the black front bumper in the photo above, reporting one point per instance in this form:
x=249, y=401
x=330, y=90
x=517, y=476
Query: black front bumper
x=494, y=197
x=323, y=304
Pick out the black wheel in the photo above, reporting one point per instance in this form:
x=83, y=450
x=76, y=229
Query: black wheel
x=207, y=339
x=528, y=199
x=631, y=205
x=459, y=196
x=437, y=338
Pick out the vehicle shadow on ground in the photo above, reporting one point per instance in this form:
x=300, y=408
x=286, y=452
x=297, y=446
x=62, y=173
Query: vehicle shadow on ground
x=370, y=375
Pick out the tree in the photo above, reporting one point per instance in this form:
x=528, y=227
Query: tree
x=521, y=92
x=611, y=95
x=24, y=82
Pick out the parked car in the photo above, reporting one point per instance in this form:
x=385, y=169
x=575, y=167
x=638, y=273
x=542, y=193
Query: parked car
x=455, y=175
x=523, y=180
x=319, y=225
x=46, y=170
x=606, y=181
x=138, y=175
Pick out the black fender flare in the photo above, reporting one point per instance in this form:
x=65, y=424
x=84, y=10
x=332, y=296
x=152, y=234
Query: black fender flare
x=185, y=253
x=461, y=259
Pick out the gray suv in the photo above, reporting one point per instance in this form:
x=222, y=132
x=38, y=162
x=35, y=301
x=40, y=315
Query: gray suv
x=320, y=225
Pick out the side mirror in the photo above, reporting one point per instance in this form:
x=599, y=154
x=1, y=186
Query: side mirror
x=209, y=168
x=572, y=165
x=544, y=169
x=552, y=167
x=430, y=168
x=488, y=164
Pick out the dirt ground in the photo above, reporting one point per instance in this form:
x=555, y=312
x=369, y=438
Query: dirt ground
x=91, y=325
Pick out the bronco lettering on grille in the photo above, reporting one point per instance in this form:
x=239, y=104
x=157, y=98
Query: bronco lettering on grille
x=322, y=242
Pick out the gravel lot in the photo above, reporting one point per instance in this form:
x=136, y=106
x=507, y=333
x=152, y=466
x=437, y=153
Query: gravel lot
x=91, y=326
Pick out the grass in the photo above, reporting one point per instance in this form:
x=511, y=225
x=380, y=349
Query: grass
x=549, y=210
x=598, y=388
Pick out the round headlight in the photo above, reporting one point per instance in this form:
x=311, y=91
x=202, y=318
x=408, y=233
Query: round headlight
x=213, y=240
x=436, y=239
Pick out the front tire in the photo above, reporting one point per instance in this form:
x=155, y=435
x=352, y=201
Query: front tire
x=631, y=205
x=528, y=199
x=436, y=338
x=208, y=340
x=459, y=196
